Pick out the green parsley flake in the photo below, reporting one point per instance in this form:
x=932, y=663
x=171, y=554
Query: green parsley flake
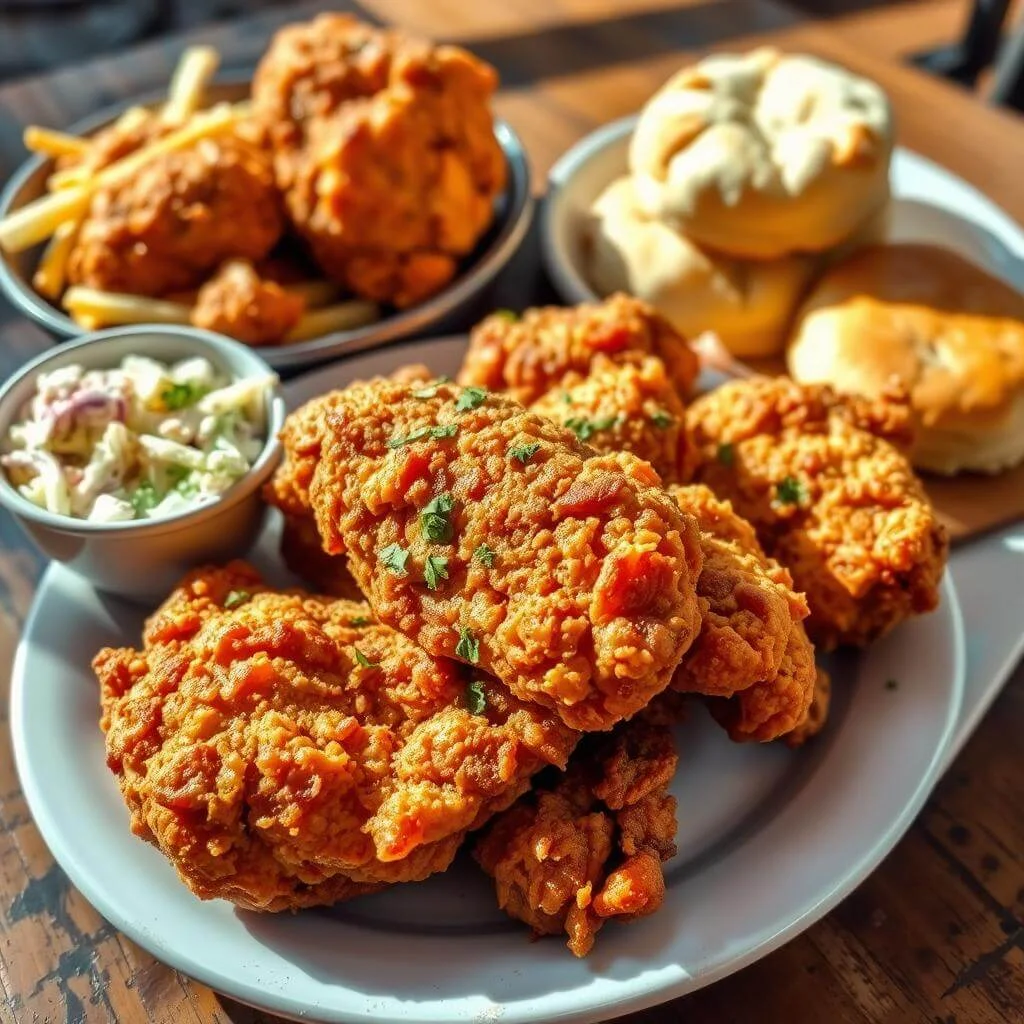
x=435, y=570
x=360, y=620
x=567, y=397
x=524, y=452
x=476, y=697
x=448, y=430
x=180, y=396
x=394, y=557
x=584, y=429
x=508, y=315
x=236, y=598
x=726, y=453
x=430, y=391
x=363, y=661
x=470, y=398
x=143, y=498
x=468, y=646
x=661, y=419
x=790, y=491
x=485, y=554
x=435, y=519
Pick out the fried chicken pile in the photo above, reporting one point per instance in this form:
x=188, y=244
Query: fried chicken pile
x=282, y=750
x=493, y=536
x=178, y=218
x=527, y=356
x=589, y=846
x=831, y=496
x=385, y=151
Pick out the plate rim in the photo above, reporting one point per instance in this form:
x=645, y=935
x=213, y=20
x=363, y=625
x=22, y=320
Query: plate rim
x=591, y=1006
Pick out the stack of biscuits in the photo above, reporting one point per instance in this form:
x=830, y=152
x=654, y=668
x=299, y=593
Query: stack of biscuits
x=746, y=174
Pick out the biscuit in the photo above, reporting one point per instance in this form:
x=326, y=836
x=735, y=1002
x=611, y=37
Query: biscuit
x=748, y=304
x=764, y=154
x=951, y=333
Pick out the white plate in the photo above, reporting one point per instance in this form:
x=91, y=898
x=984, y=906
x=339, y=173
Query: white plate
x=929, y=205
x=769, y=840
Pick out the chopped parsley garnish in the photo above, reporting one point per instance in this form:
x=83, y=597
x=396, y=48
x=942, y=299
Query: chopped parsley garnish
x=726, y=453
x=435, y=570
x=790, y=491
x=485, y=554
x=363, y=661
x=431, y=389
x=179, y=396
x=394, y=557
x=435, y=519
x=144, y=498
x=661, y=419
x=891, y=684
x=360, y=620
x=509, y=315
x=468, y=646
x=470, y=398
x=524, y=452
x=567, y=397
x=448, y=430
x=476, y=697
x=584, y=429
x=236, y=598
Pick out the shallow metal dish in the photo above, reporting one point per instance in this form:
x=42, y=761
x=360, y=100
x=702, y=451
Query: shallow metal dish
x=514, y=211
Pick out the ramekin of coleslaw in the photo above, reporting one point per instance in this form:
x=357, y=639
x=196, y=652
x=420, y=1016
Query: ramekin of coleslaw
x=136, y=453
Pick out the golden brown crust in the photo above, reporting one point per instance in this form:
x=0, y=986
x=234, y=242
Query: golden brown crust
x=280, y=748
x=183, y=214
x=385, y=149
x=817, y=713
x=590, y=847
x=628, y=406
x=530, y=355
x=834, y=502
x=586, y=602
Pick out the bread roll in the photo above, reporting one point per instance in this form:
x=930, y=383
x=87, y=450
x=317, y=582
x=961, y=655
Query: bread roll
x=951, y=333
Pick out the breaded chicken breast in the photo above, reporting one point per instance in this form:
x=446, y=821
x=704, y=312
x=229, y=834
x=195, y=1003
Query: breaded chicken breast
x=531, y=355
x=284, y=750
x=588, y=846
x=492, y=535
x=626, y=407
x=831, y=496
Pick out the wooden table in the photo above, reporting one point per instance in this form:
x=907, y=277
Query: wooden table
x=936, y=934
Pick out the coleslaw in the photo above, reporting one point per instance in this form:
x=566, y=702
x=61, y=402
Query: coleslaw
x=143, y=441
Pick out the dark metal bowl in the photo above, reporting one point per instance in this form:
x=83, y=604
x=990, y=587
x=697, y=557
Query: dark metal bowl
x=513, y=213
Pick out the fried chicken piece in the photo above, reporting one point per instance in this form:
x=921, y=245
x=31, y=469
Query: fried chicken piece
x=302, y=552
x=831, y=497
x=282, y=750
x=629, y=406
x=752, y=654
x=590, y=846
x=385, y=149
x=817, y=713
x=492, y=535
x=183, y=214
x=530, y=355
x=132, y=130
x=240, y=304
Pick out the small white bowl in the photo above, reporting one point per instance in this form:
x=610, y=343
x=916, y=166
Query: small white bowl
x=143, y=559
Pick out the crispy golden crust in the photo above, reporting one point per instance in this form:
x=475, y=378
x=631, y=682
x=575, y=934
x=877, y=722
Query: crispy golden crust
x=385, y=148
x=586, y=601
x=752, y=646
x=817, y=713
x=531, y=355
x=830, y=497
x=629, y=406
x=238, y=303
x=279, y=750
x=302, y=552
x=591, y=846
x=182, y=215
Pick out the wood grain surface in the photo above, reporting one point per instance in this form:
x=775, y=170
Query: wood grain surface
x=936, y=934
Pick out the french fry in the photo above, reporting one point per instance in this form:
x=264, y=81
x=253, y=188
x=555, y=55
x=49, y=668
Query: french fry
x=197, y=66
x=111, y=309
x=342, y=317
x=69, y=177
x=39, y=219
x=86, y=321
x=51, y=273
x=53, y=143
x=131, y=119
x=314, y=293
